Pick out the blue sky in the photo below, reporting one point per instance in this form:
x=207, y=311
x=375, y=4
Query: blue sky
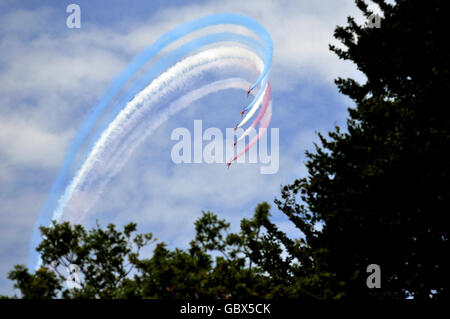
x=50, y=76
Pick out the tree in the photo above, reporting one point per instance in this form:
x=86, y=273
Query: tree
x=192, y=273
x=43, y=284
x=105, y=258
x=380, y=191
x=110, y=264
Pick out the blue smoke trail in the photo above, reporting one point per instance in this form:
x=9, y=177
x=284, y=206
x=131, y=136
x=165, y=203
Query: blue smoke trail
x=264, y=49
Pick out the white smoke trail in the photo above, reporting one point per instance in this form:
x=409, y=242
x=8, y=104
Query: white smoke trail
x=133, y=112
x=88, y=197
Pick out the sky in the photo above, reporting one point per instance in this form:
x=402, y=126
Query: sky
x=51, y=76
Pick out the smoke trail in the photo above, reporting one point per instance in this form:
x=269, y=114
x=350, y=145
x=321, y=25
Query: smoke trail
x=136, y=109
x=114, y=130
x=64, y=186
x=122, y=155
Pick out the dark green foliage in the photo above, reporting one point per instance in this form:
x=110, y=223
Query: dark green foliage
x=107, y=257
x=381, y=191
x=43, y=284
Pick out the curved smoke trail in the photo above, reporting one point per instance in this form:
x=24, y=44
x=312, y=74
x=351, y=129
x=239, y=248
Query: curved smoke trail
x=133, y=95
x=127, y=122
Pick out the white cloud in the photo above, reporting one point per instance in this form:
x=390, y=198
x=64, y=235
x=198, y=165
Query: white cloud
x=29, y=145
